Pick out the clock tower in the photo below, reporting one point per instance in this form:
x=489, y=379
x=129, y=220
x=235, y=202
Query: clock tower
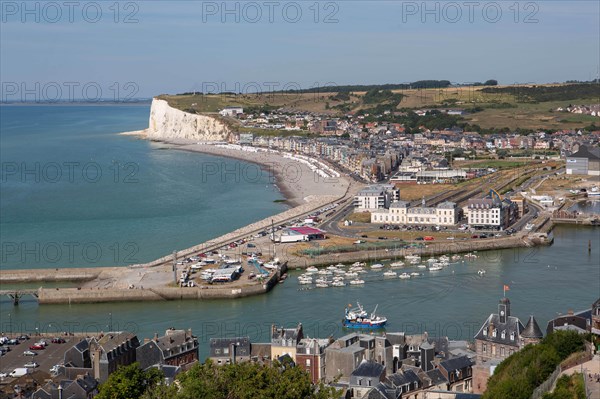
x=504, y=309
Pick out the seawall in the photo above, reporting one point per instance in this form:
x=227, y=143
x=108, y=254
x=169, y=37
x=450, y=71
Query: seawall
x=50, y=275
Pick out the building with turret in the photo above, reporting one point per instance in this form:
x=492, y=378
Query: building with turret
x=500, y=336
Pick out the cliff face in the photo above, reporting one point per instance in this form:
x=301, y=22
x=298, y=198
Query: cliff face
x=170, y=123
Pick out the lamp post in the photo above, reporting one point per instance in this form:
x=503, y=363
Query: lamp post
x=10, y=324
x=110, y=323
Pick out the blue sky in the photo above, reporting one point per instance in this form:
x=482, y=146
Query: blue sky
x=184, y=46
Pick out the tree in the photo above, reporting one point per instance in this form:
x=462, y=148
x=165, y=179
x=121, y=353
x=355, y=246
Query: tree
x=244, y=381
x=491, y=82
x=129, y=382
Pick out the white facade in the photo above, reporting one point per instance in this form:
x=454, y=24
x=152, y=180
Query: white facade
x=376, y=197
x=445, y=214
x=485, y=213
x=231, y=111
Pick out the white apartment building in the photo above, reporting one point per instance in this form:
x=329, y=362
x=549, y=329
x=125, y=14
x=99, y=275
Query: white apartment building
x=376, y=197
x=486, y=213
x=444, y=214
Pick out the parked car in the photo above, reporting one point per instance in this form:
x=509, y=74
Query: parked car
x=474, y=236
x=37, y=347
x=55, y=369
x=428, y=238
x=42, y=342
x=419, y=239
x=31, y=365
x=58, y=341
x=13, y=341
x=3, y=375
x=29, y=353
x=23, y=337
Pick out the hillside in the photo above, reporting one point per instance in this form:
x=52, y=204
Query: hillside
x=514, y=106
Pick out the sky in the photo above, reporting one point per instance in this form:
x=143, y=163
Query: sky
x=85, y=49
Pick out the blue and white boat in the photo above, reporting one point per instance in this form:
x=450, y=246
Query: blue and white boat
x=360, y=319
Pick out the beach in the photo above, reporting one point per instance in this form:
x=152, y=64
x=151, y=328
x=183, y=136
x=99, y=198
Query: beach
x=295, y=180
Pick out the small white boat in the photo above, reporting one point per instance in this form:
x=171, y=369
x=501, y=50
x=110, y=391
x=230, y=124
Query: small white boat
x=322, y=285
x=435, y=268
x=332, y=268
x=339, y=271
x=305, y=281
x=404, y=276
x=470, y=256
x=325, y=272
x=422, y=266
x=358, y=264
x=481, y=272
x=361, y=271
x=390, y=274
x=415, y=274
x=455, y=258
x=338, y=284
x=397, y=264
x=351, y=274
x=412, y=257
x=312, y=269
x=357, y=282
x=432, y=260
x=321, y=280
x=340, y=265
x=271, y=265
x=377, y=266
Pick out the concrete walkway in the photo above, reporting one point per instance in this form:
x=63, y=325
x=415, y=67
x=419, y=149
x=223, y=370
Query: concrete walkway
x=592, y=368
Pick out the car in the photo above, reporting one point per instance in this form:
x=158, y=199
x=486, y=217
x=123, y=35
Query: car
x=29, y=353
x=37, y=347
x=474, y=236
x=382, y=238
x=42, y=342
x=364, y=236
x=23, y=337
x=428, y=238
x=31, y=365
x=3, y=375
x=58, y=340
x=449, y=238
x=13, y=341
x=419, y=239
x=5, y=348
x=55, y=369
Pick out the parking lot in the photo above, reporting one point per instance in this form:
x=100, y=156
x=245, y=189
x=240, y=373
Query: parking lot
x=46, y=358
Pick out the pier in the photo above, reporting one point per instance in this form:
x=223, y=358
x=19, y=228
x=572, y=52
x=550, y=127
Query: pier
x=16, y=294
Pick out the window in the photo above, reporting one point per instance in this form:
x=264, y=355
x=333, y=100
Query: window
x=484, y=347
x=503, y=334
x=485, y=331
x=307, y=362
x=501, y=351
x=494, y=333
x=512, y=336
x=225, y=351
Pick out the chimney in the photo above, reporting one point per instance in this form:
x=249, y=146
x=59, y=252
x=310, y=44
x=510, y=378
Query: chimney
x=490, y=329
x=570, y=312
x=155, y=337
x=425, y=337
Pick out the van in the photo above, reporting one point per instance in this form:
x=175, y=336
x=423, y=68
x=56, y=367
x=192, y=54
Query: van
x=19, y=372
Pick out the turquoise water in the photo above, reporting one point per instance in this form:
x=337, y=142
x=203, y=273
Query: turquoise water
x=74, y=193
x=170, y=206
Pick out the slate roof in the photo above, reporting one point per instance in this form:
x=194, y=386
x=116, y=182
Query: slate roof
x=513, y=324
x=368, y=369
x=456, y=363
x=242, y=344
x=532, y=330
x=436, y=377
x=403, y=377
x=592, y=153
x=381, y=391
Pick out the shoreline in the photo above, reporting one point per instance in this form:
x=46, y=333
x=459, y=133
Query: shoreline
x=301, y=184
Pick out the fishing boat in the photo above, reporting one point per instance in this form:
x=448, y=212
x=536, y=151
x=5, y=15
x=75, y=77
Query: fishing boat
x=415, y=274
x=435, y=268
x=422, y=266
x=404, y=276
x=359, y=318
x=305, y=281
x=338, y=284
x=377, y=266
x=390, y=274
x=397, y=264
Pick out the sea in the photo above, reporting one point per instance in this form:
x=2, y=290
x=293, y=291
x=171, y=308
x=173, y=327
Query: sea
x=172, y=206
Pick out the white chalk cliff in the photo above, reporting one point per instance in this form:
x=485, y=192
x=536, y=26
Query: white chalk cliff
x=170, y=123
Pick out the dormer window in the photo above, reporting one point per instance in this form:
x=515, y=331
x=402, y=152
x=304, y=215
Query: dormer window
x=485, y=331
x=503, y=334
x=494, y=333
x=512, y=336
